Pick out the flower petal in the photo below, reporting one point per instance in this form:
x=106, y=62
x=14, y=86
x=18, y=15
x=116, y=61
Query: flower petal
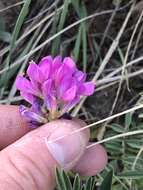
x=46, y=87
x=67, y=68
x=86, y=89
x=70, y=94
x=57, y=62
x=64, y=85
x=80, y=76
x=45, y=61
x=46, y=66
x=31, y=116
x=71, y=104
x=50, y=99
x=69, y=63
x=54, y=86
x=63, y=71
x=37, y=106
x=23, y=84
x=27, y=96
x=51, y=102
x=35, y=73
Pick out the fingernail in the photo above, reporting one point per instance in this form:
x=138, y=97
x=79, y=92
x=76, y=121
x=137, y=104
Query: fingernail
x=67, y=150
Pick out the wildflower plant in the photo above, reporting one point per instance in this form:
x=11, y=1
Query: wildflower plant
x=52, y=87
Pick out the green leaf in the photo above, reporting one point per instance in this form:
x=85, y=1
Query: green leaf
x=117, y=187
x=75, y=4
x=63, y=16
x=113, y=147
x=5, y=36
x=77, y=183
x=131, y=159
x=67, y=181
x=83, y=187
x=134, y=146
x=84, y=45
x=116, y=2
x=82, y=34
x=63, y=180
x=89, y=184
x=76, y=49
x=2, y=24
x=12, y=71
x=131, y=174
x=60, y=180
x=140, y=125
x=19, y=22
x=134, y=143
x=117, y=128
x=128, y=120
x=107, y=182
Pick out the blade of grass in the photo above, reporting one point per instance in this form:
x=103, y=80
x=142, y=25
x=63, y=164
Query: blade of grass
x=108, y=55
x=77, y=46
x=84, y=37
x=56, y=42
x=30, y=30
x=82, y=34
x=5, y=36
x=124, y=71
x=37, y=36
x=77, y=183
x=11, y=6
x=53, y=37
x=17, y=28
x=113, y=45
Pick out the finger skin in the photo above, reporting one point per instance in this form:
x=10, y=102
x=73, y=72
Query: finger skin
x=92, y=162
x=28, y=164
x=12, y=125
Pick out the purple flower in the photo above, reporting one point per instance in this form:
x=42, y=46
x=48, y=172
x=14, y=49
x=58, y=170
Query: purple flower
x=52, y=87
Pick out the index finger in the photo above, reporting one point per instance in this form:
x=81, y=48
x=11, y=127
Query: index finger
x=12, y=125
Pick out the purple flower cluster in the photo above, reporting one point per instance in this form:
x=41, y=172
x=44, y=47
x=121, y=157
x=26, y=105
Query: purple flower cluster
x=52, y=87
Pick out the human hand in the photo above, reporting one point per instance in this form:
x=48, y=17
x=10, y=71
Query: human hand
x=28, y=160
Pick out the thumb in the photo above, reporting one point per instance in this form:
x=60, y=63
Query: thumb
x=29, y=163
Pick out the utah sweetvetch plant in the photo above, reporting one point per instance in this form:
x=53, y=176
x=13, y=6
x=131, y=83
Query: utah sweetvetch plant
x=64, y=182
x=52, y=87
